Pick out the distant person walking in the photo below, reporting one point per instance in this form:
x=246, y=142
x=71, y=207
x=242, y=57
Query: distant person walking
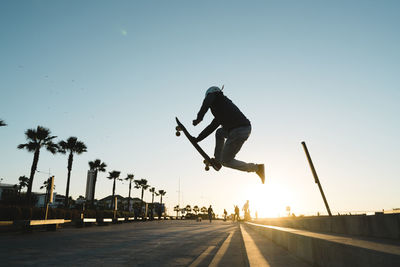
x=246, y=211
x=235, y=130
x=225, y=213
x=210, y=213
x=236, y=216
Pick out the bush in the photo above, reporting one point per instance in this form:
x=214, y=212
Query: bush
x=75, y=214
x=99, y=214
x=38, y=213
x=26, y=213
x=59, y=213
x=7, y=213
x=68, y=214
x=90, y=214
x=108, y=214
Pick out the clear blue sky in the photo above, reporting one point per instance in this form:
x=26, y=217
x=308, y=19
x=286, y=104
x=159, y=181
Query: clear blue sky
x=116, y=73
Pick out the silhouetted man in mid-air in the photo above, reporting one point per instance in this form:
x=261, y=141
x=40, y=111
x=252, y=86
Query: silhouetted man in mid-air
x=236, y=128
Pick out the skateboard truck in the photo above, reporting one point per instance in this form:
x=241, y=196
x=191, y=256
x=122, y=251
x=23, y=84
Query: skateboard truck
x=207, y=168
x=178, y=131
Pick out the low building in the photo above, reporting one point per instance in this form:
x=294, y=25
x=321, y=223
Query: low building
x=122, y=202
x=7, y=190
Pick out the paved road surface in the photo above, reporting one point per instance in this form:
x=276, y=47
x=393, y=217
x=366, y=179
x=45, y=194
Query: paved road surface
x=157, y=243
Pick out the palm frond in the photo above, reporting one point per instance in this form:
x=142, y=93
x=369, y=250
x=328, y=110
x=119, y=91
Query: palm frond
x=114, y=175
x=31, y=135
x=51, y=147
x=43, y=133
x=129, y=177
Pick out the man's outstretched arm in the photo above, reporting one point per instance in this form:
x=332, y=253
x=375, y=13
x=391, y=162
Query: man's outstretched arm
x=204, y=108
x=208, y=130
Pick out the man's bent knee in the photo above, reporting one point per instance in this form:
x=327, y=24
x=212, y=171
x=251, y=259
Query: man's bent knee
x=220, y=133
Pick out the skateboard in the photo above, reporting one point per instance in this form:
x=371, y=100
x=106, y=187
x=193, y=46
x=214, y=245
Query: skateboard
x=207, y=160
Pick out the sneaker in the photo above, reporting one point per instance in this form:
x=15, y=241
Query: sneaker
x=216, y=163
x=261, y=172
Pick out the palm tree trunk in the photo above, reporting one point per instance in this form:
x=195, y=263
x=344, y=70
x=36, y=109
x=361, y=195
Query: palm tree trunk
x=159, y=217
x=141, y=202
x=152, y=206
x=113, y=194
x=70, y=159
x=33, y=170
x=94, y=186
x=129, y=197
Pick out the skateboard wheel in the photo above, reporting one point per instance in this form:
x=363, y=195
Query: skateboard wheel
x=205, y=161
x=207, y=168
x=177, y=128
x=178, y=133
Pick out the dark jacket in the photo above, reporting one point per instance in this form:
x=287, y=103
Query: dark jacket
x=225, y=113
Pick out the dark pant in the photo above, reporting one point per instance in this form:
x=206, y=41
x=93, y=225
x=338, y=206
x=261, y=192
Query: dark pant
x=225, y=151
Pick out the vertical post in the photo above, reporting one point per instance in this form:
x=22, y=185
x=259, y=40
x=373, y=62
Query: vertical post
x=115, y=207
x=49, y=194
x=316, y=177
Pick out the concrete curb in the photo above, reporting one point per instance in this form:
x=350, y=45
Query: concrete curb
x=331, y=250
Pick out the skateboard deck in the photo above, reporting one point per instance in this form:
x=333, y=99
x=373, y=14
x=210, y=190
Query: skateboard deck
x=207, y=160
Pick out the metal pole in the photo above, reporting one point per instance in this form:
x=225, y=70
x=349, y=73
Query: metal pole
x=316, y=177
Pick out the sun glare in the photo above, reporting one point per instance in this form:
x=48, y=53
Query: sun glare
x=269, y=200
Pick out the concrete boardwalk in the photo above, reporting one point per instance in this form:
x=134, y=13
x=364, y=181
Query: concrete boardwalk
x=157, y=243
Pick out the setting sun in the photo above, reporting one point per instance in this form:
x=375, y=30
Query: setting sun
x=268, y=201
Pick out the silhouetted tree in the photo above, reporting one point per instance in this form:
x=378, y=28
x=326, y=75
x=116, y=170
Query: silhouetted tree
x=37, y=138
x=188, y=208
x=176, y=208
x=203, y=209
x=97, y=166
x=161, y=193
x=129, y=178
x=114, y=175
x=71, y=145
x=23, y=182
x=141, y=184
x=196, y=209
x=153, y=192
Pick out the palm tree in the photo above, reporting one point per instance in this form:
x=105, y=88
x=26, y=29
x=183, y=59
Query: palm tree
x=73, y=146
x=97, y=166
x=188, y=208
x=23, y=182
x=161, y=193
x=129, y=178
x=114, y=175
x=141, y=184
x=153, y=192
x=2, y=123
x=196, y=209
x=176, y=208
x=203, y=210
x=37, y=138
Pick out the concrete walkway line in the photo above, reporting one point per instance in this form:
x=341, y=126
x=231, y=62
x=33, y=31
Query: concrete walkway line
x=253, y=253
x=202, y=256
x=222, y=250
